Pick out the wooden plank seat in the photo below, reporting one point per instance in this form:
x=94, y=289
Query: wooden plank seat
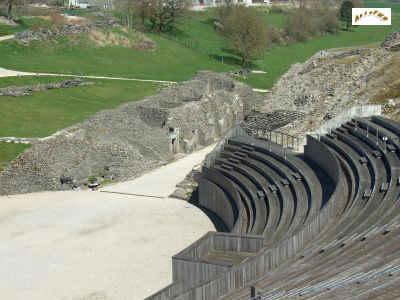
x=260, y=186
x=337, y=249
x=312, y=184
x=269, y=166
x=258, y=208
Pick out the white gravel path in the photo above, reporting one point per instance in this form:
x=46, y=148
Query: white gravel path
x=94, y=245
x=164, y=179
x=12, y=73
x=6, y=37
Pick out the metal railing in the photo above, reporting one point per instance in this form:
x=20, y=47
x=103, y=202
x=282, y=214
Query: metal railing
x=359, y=111
x=235, y=131
x=283, y=139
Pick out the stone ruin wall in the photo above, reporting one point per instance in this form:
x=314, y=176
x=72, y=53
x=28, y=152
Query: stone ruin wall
x=126, y=142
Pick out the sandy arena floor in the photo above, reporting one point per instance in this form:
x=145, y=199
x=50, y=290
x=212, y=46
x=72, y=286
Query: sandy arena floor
x=96, y=245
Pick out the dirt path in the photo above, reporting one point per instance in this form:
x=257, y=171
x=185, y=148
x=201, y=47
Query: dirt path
x=95, y=245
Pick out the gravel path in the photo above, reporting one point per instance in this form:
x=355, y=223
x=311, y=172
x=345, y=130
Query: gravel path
x=165, y=177
x=95, y=245
x=11, y=73
x=6, y=37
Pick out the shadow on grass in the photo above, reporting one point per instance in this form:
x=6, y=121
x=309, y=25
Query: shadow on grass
x=232, y=60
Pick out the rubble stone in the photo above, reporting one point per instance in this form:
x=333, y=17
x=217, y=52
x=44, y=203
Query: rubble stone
x=125, y=142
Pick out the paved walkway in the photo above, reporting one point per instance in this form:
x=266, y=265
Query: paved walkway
x=94, y=245
x=164, y=178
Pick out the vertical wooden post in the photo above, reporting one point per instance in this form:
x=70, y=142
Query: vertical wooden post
x=252, y=292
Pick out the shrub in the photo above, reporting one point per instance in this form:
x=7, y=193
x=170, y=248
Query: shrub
x=275, y=36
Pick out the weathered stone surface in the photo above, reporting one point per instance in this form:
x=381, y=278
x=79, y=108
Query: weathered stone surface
x=18, y=91
x=327, y=84
x=7, y=21
x=392, y=42
x=136, y=137
x=42, y=34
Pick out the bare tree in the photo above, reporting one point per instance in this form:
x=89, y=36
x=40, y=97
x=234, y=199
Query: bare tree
x=130, y=9
x=160, y=14
x=9, y=5
x=246, y=32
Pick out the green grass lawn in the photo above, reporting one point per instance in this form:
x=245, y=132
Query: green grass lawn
x=395, y=6
x=170, y=61
x=43, y=113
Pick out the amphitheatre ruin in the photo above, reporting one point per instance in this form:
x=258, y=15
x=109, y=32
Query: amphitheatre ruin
x=218, y=192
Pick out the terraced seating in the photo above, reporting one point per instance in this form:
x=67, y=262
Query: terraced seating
x=320, y=225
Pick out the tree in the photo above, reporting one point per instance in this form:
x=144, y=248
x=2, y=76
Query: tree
x=246, y=32
x=162, y=14
x=159, y=15
x=345, y=13
x=128, y=10
x=9, y=5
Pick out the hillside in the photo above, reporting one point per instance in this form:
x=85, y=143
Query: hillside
x=332, y=81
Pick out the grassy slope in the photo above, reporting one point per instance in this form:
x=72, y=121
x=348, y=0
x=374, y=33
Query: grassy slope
x=43, y=113
x=198, y=31
x=170, y=61
x=24, y=23
x=383, y=3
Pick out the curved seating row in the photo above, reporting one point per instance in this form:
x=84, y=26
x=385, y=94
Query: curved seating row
x=344, y=247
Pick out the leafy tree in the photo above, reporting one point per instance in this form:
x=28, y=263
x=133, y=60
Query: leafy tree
x=246, y=32
x=345, y=13
x=162, y=14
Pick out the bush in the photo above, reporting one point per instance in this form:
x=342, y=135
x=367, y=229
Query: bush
x=275, y=36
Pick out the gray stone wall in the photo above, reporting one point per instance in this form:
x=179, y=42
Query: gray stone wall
x=125, y=142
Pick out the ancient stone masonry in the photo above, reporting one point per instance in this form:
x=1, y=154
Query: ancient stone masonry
x=125, y=142
x=42, y=34
x=17, y=91
x=327, y=84
x=270, y=121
